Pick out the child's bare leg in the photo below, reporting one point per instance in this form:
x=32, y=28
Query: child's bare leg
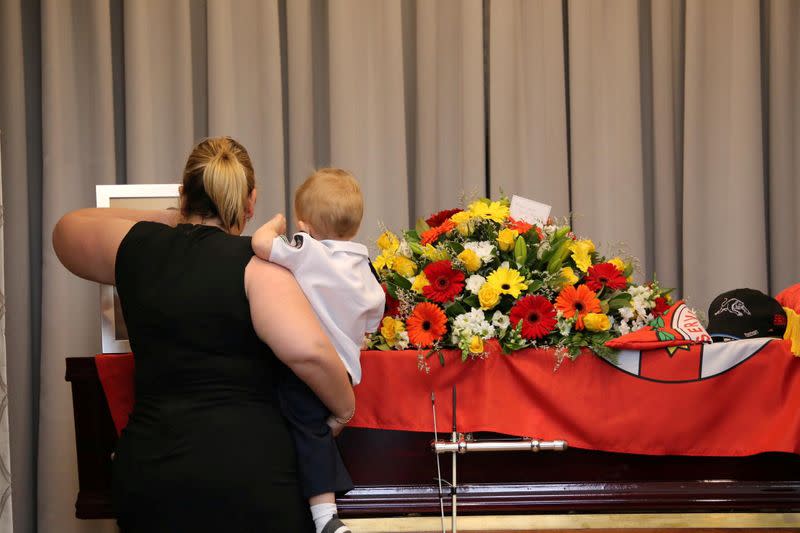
x=328, y=497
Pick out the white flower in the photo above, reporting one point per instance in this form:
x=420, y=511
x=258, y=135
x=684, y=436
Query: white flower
x=401, y=340
x=624, y=329
x=544, y=247
x=474, y=283
x=499, y=320
x=404, y=249
x=483, y=249
x=472, y=323
x=564, y=326
x=626, y=312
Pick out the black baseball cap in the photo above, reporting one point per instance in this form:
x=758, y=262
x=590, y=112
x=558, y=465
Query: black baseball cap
x=745, y=314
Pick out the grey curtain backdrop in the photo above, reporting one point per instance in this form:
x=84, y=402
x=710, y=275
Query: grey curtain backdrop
x=667, y=128
x=6, y=518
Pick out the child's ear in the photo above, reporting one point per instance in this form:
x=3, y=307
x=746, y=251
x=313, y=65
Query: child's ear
x=302, y=226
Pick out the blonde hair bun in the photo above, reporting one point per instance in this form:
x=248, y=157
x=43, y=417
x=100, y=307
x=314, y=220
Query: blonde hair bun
x=217, y=180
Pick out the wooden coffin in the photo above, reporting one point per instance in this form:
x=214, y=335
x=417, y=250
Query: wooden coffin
x=395, y=472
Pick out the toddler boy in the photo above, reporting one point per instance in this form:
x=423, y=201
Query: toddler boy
x=335, y=275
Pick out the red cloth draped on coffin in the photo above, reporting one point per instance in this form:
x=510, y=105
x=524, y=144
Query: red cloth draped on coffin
x=729, y=399
x=116, y=372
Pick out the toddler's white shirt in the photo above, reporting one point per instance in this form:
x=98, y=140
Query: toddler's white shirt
x=336, y=278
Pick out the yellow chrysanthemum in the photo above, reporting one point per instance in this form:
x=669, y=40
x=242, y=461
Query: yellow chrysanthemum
x=470, y=259
x=404, y=266
x=491, y=211
x=506, y=238
x=388, y=241
x=433, y=254
x=507, y=281
x=596, y=322
x=419, y=282
x=476, y=345
x=569, y=276
x=390, y=328
x=488, y=296
x=385, y=260
x=581, y=253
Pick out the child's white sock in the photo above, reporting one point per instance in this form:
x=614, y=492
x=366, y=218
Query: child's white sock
x=322, y=513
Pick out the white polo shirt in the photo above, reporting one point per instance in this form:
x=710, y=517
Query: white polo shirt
x=336, y=278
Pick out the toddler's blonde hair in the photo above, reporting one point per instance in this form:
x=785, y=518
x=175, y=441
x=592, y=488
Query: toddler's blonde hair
x=330, y=200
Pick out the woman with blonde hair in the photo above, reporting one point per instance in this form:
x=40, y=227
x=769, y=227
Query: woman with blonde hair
x=211, y=327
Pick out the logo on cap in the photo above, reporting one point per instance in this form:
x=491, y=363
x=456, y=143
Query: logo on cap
x=733, y=305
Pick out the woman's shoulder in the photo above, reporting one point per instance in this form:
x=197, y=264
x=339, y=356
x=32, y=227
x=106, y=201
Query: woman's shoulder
x=141, y=232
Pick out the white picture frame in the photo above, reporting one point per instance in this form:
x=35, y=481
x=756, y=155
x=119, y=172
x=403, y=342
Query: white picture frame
x=114, y=333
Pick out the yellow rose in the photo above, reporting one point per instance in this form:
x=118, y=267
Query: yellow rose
x=419, y=282
x=463, y=221
x=488, y=296
x=476, y=344
x=581, y=253
x=390, y=328
x=619, y=263
x=506, y=239
x=461, y=217
x=470, y=259
x=569, y=276
x=388, y=241
x=404, y=266
x=596, y=322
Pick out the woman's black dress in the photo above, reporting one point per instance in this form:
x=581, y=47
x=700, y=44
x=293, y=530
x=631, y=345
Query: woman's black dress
x=206, y=448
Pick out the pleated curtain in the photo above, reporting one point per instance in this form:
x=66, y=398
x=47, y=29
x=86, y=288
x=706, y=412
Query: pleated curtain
x=663, y=129
x=6, y=504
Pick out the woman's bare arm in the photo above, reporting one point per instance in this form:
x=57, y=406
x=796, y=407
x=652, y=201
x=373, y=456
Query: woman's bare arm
x=283, y=319
x=86, y=241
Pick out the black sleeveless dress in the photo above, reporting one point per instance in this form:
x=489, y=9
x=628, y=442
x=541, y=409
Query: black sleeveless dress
x=206, y=447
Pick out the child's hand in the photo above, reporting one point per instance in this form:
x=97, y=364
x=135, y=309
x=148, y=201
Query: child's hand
x=262, y=238
x=276, y=224
x=335, y=425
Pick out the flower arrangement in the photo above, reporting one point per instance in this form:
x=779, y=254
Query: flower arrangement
x=465, y=277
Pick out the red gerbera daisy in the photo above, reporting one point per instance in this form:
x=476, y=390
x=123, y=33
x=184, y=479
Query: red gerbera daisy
x=392, y=304
x=430, y=236
x=441, y=216
x=520, y=225
x=661, y=305
x=537, y=314
x=426, y=324
x=605, y=275
x=445, y=281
